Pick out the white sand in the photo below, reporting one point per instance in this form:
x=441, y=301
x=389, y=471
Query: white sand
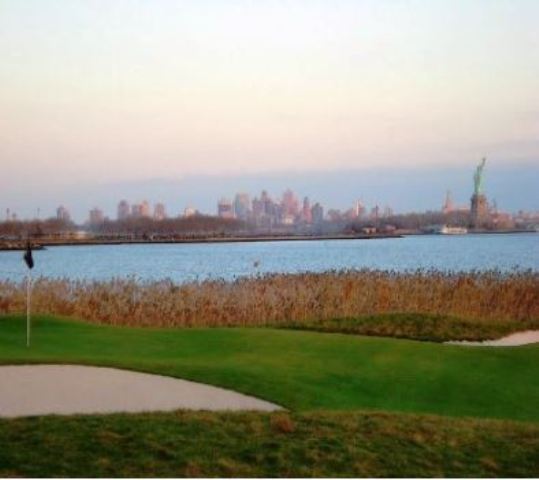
x=513, y=340
x=69, y=389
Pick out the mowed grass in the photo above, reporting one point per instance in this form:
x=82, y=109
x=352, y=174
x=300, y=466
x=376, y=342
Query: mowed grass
x=312, y=444
x=301, y=370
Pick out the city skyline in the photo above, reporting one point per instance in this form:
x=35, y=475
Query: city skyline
x=214, y=88
x=513, y=188
x=263, y=208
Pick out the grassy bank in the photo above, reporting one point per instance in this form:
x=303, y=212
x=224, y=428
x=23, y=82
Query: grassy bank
x=490, y=302
x=247, y=444
x=425, y=327
x=301, y=370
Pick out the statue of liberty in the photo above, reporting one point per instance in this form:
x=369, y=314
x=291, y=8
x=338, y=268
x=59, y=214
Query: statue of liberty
x=478, y=177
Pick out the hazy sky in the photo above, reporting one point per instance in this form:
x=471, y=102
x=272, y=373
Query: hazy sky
x=97, y=92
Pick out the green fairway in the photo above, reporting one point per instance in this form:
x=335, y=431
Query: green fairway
x=301, y=370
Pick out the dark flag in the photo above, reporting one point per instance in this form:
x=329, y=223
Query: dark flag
x=28, y=256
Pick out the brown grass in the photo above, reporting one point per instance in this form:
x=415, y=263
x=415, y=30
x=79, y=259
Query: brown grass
x=286, y=300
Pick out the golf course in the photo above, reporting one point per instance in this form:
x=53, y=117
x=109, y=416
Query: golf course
x=348, y=399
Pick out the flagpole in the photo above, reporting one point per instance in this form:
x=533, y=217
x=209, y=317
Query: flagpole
x=28, y=296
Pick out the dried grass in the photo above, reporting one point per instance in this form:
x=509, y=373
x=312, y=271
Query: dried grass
x=283, y=299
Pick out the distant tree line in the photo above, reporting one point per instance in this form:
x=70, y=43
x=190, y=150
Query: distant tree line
x=133, y=227
x=36, y=228
x=413, y=221
x=184, y=226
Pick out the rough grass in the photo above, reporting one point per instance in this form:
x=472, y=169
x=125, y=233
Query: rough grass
x=455, y=305
x=425, y=327
x=316, y=444
x=301, y=370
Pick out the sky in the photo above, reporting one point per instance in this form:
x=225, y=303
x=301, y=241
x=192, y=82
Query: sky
x=97, y=97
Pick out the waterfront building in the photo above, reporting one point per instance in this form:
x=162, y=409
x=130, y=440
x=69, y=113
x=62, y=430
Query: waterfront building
x=306, y=214
x=159, y=212
x=123, y=210
x=317, y=213
x=241, y=206
x=145, y=210
x=189, y=212
x=267, y=204
x=136, y=210
x=63, y=214
x=96, y=217
x=224, y=208
x=388, y=212
x=375, y=214
x=360, y=209
x=334, y=215
x=290, y=204
x=288, y=219
x=351, y=214
x=448, y=205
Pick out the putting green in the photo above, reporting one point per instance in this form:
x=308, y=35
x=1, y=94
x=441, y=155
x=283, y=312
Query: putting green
x=301, y=370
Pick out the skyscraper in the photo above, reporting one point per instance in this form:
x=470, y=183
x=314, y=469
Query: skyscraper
x=290, y=203
x=317, y=213
x=306, y=213
x=96, y=217
x=145, y=209
x=224, y=208
x=448, y=206
x=136, y=210
x=359, y=209
x=241, y=206
x=159, y=212
x=62, y=213
x=123, y=210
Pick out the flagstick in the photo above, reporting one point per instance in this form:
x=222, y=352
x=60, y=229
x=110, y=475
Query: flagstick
x=28, y=295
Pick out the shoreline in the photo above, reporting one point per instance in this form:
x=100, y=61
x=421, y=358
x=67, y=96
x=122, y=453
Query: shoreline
x=41, y=244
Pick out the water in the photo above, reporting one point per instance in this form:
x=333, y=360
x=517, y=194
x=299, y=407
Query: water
x=187, y=262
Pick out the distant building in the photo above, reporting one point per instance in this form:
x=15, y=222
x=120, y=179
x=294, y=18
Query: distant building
x=96, y=217
x=159, y=212
x=123, y=210
x=265, y=212
x=375, y=213
x=189, y=212
x=351, y=214
x=334, y=215
x=317, y=213
x=288, y=219
x=290, y=204
x=360, y=209
x=241, y=206
x=448, y=205
x=224, y=208
x=136, y=210
x=306, y=214
x=145, y=210
x=139, y=210
x=388, y=212
x=62, y=213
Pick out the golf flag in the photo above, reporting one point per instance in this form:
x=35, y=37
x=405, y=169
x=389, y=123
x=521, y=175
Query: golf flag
x=28, y=257
x=30, y=264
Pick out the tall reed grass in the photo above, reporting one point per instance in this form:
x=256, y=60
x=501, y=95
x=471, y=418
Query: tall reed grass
x=285, y=299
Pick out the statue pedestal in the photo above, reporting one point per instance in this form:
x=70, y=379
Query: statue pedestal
x=479, y=210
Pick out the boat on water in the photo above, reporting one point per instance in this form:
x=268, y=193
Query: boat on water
x=446, y=230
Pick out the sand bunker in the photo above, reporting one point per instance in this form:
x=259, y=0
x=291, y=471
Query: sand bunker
x=69, y=389
x=513, y=340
